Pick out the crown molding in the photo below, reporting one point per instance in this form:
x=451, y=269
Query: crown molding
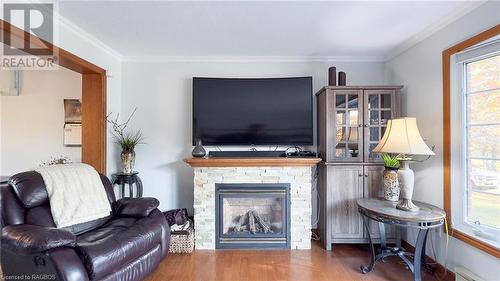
x=61, y=21
x=255, y=59
x=432, y=29
x=396, y=51
x=64, y=22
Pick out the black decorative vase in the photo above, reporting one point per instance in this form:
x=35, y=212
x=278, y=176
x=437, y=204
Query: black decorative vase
x=332, y=76
x=342, y=78
x=198, y=150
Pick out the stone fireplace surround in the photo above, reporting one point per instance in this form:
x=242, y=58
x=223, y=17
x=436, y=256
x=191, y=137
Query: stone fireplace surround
x=211, y=171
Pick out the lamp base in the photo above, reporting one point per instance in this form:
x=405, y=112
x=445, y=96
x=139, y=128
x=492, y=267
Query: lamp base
x=407, y=205
x=406, y=182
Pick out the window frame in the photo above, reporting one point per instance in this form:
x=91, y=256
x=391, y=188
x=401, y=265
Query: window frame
x=460, y=194
x=453, y=154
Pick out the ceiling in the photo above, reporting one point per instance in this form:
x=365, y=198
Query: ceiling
x=260, y=28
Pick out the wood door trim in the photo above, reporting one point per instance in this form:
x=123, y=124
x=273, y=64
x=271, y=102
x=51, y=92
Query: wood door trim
x=64, y=58
x=93, y=93
x=446, y=58
x=94, y=114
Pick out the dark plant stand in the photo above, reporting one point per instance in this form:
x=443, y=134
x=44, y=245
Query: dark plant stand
x=123, y=179
x=385, y=212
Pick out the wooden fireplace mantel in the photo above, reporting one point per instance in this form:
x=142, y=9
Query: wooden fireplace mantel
x=252, y=162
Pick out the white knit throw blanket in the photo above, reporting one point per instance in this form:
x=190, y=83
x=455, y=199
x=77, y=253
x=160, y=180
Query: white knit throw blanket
x=76, y=193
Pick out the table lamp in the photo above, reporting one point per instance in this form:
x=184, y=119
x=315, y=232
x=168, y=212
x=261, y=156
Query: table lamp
x=402, y=137
x=351, y=137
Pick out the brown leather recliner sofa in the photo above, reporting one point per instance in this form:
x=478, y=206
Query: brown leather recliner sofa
x=126, y=245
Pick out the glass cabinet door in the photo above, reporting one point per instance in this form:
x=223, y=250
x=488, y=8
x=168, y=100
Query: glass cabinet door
x=348, y=125
x=379, y=108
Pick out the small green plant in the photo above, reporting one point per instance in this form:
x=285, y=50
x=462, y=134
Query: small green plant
x=391, y=162
x=130, y=140
x=127, y=140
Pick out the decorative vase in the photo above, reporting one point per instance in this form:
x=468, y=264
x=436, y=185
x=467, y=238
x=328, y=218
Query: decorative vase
x=332, y=76
x=128, y=161
x=391, y=184
x=342, y=78
x=406, y=181
x=198, y=150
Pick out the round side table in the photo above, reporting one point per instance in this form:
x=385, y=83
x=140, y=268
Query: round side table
x=385, y=212
x=131, y=180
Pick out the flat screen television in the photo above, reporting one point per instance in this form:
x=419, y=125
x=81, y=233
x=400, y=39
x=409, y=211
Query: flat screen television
x=253, y=111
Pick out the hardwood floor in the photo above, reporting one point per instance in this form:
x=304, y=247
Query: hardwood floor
x=317, y=264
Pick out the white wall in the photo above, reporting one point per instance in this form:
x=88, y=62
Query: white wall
x=420, y=70
x=32, y=123
x=78, y=42
x=162, y=92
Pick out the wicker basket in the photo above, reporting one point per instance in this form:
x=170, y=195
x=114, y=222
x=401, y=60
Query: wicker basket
x=182, y=242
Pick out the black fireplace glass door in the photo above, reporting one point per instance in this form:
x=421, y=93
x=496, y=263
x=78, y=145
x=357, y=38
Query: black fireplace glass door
x=253, y=215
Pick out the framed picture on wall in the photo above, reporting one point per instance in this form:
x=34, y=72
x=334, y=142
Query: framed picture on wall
x=72, y=122
x=72, y=111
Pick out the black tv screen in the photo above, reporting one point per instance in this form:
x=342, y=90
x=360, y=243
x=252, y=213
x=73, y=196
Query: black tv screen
x=263, y=111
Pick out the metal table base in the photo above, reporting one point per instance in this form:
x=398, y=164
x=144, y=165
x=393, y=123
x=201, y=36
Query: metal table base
x=386, y=251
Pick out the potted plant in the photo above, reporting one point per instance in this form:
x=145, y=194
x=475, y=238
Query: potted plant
x=390, y=176
x=127, y=140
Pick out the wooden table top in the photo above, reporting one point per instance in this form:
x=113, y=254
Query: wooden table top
x=252, y=161
x=384, y=208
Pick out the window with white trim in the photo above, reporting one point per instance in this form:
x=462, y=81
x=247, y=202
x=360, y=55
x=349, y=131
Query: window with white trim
x=476, y=188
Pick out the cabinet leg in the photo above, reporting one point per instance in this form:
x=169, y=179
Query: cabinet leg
x=326, y=244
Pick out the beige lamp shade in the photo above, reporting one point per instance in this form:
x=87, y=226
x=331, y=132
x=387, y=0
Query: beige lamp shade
x=351, y=134
x=402, y=137
x=351, y=137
